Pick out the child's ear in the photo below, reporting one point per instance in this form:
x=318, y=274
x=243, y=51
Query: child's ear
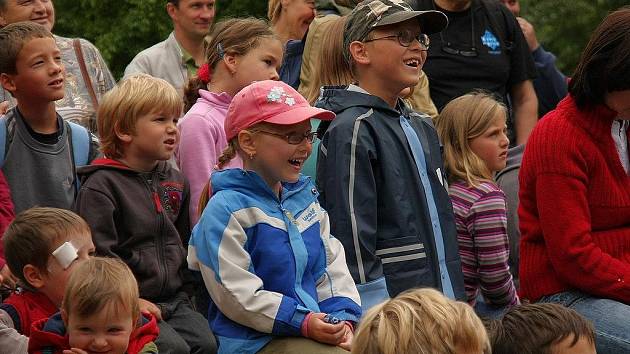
x=359, y=53
x=33, y=276
x=124, y=137
x=7, y=81
x=247, y=142
x=231, y=62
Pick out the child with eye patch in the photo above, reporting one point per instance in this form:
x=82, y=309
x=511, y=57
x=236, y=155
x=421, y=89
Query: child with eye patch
x=278, y=279
x=42, y=247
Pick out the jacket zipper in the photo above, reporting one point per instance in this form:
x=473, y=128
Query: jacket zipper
x=159, y=244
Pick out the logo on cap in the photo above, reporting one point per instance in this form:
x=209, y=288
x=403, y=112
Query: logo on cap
x=276, y=94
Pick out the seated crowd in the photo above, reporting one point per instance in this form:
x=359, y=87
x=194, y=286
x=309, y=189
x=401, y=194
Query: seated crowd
x=212, y=218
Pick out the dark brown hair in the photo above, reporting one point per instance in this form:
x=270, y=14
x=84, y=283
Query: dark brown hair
x=236, y=36
x=31, y=236
x=605, y=63
x=12, y=40
x=534, y=328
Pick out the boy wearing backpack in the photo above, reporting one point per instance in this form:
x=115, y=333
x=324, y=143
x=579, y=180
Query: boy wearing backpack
x=38, y=150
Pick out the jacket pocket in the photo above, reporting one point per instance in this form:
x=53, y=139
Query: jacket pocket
x=404, y=262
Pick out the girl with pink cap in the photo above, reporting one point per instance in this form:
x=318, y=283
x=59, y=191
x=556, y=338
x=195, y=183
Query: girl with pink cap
x=278, y=280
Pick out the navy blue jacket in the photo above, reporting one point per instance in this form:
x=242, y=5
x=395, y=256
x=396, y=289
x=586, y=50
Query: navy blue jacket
x=370, y=186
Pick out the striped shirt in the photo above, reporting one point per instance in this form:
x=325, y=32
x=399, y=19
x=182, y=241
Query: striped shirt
x=481, y=220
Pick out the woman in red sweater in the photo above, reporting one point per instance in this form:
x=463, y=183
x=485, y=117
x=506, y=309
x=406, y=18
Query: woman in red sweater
x=575, y=192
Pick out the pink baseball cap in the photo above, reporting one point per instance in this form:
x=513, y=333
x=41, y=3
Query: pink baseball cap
x=272, y=102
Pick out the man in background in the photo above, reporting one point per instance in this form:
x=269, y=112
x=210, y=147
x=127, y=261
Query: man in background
x=177, y=58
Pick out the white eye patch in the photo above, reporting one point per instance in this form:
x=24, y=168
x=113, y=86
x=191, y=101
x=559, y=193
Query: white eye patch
x=66, y=254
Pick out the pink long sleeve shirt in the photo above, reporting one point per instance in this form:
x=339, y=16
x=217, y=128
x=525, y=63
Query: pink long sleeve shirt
x=202, y=142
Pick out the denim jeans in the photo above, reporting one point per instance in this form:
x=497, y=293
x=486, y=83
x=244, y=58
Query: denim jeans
x=610, y=318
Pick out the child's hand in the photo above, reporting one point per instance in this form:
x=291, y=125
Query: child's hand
x=347, y=338
x=148, y=306
x=75, y=351
x=324, y=332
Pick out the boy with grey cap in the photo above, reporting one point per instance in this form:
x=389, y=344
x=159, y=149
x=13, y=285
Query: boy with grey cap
x=380, y=170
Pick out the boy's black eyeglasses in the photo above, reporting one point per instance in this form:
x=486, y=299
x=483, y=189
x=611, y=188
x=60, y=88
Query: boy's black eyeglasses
x=405, y=38
x=293, y=139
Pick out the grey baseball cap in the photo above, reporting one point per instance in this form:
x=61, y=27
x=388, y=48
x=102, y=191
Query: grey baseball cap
x=370, y=14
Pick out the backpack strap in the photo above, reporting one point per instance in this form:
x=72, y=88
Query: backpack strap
x=80, y=144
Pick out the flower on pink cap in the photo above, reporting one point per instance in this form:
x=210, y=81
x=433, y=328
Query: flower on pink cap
x=272, y=102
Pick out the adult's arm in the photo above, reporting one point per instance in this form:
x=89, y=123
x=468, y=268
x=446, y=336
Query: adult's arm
x=551, y=85
x=525, y=106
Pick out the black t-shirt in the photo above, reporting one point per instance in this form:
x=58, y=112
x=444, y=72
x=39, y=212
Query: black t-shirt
x=502, y=61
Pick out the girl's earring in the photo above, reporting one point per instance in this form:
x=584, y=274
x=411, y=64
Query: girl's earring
x=251, y=155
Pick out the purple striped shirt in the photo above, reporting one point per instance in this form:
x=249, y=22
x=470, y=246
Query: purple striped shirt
x=481, y=220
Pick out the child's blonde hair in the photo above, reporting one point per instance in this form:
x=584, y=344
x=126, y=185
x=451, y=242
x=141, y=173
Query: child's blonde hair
x=465, y=118
x=421, y=321
x=330, y=66
x=34, y=234
x=235, y=36
x=134, y=97
x=99, y=282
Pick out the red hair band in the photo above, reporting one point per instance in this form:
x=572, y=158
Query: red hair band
x=203, y=73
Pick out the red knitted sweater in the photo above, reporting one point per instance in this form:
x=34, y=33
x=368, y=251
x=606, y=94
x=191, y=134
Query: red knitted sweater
x=574, y=207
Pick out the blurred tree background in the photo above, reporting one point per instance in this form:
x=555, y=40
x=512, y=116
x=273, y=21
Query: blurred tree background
x=563, y=27
x=122, y=28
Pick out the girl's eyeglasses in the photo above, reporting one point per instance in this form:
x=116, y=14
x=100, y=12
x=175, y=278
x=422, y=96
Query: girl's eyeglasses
x=293, y=139
x=405, y=38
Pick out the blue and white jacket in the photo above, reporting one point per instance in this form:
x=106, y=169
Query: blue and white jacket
x=267, y=262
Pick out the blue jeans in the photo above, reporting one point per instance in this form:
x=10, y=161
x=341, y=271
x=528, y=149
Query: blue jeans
x=610, y=318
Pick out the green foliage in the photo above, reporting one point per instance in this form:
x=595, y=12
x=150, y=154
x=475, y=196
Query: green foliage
x=564, y=26
x=120, y=29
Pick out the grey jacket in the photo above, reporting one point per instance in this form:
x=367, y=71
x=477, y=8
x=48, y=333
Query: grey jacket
x=163, y=60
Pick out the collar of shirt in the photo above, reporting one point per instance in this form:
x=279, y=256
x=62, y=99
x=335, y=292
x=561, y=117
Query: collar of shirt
x=189, y=62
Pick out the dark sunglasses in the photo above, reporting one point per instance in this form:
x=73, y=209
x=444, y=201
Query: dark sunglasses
x=405, y=38
x=293, y=139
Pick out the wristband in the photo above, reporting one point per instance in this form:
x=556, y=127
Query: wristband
x=304, y=328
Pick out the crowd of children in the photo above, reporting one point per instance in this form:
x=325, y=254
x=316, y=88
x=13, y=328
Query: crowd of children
x=234, y=250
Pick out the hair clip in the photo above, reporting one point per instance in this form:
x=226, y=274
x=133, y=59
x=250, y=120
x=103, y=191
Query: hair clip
x=203, y=73
x=220, y=51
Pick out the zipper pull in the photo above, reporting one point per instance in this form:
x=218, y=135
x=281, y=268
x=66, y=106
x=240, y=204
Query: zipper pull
x=289, y=216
